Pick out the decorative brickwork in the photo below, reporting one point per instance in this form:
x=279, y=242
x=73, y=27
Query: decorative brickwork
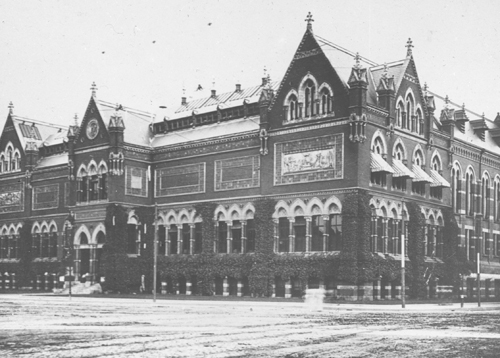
x=237, y=173
x=183, y=179
x=309, y=160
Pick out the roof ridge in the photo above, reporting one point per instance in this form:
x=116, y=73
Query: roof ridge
x=36, y=121
x=125, y=108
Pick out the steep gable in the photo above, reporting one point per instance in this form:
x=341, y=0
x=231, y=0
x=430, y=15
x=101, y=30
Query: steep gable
x=93, y=130
x=310, y=59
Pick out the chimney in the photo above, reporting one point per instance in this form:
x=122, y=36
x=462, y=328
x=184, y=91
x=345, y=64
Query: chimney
x=183, y=101
x=213, y=93
x=238, y=87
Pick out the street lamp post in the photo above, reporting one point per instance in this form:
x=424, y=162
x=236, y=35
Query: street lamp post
x=155, y=254
x=403, y=284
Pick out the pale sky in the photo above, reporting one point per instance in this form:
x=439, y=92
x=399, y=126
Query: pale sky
x=141, y=54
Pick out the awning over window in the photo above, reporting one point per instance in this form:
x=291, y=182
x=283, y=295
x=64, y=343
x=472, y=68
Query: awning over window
x=420, y=175
x=438, y=180
x=378, y=164
x=401, y=170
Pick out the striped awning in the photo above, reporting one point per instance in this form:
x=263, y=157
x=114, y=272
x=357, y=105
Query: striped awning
x=420, y=175
x=438, y=180
x=401, y=170
x=378, y=164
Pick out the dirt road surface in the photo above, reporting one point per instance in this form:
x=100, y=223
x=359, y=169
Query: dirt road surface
x=51, y=326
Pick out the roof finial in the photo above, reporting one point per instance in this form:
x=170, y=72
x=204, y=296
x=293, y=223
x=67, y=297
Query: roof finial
x=11, y=108
x=482, y=116
x=76, y=120
x=93, y=88
x=265, y=72
x=463, y=106
x=357, y=58
x=425, y=89
x=384, y=74
x=409, y=45
x=446, y=101
x=309, y=19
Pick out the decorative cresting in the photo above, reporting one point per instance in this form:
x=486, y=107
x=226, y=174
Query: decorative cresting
x=357, y=126
x=264, y=139
x=116, y=163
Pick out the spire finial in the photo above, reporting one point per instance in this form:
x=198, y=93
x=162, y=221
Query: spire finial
x=309, y=19
x=93, y=88
x=384, y=74
x=446, y=101
x=76, y=120
x=11, y=108
x=425, y=89
x=409, y=45
x=463, y=106
x=357, y=58
x=482, y=116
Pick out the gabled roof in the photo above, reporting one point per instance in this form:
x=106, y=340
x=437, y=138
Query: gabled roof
x=137, y=130
x=41, y=133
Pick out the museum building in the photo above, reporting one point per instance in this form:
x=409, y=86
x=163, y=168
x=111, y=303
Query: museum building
x=335, y=126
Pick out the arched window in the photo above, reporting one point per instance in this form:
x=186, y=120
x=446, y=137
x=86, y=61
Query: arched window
x=378, y=146
x=3, y=243
x=419, y=122
x=309, y=98
x=10, y=159
x=410, y=118
x=326, y=101
x=2, y=161
x=485, y=196
x=456, y=187
x=469, y=192
x=52, y=241
x=133, y=235
x=293, y=108
x=401, y=115
x=496, y=202
x=378, y=175
x=399, y=179
x=418, y=186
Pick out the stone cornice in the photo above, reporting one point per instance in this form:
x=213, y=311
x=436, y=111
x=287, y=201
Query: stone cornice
x=281, y=131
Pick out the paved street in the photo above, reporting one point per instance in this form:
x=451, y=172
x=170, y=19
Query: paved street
x=54, y=326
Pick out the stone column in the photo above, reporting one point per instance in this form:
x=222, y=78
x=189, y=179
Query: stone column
x=168, y=250
x=179, y=239
x=326, y=220
x=308, y=233
x=225, y=287
x=188, y=287
x=243, y=236
x=229, y=248
x=376, y=289
x=276, y=235
x=240, y=288
x=388, y=291
x=291, y=235
x=77, y=262
x=191, y=238
x=385, y=230
x=92, y=262
x=288, y=289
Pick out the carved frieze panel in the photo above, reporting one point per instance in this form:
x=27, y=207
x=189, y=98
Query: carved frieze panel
x=136, y=181
x=309, y=160
x=11, y=198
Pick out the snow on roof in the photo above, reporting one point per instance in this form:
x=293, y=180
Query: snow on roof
x=216, y=130
x=136, y=122
x=31, y=130
x=53, y=160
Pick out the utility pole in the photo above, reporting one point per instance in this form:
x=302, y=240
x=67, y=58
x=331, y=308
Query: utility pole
x=403, y=284
x=478, y=278
x=155, y=252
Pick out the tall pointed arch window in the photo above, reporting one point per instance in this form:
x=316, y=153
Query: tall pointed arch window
x=326, y=101
x=401, y=115
x=469, y=192
x=410, y=118
x=419, y=122
x=485, y=196
x=309, y=98
x=378, y=166
x=292, y=108
x=496, y=201
x=456, y=188
x=402, y=173
x=418, y=185
x=9, y=159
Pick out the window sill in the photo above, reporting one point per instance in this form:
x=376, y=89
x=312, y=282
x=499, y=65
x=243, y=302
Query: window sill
x=92, y=202
x=9, y=260
x=45, y=259
x=307, y=119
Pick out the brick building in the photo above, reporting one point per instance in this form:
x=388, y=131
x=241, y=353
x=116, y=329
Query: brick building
x=335, y=125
